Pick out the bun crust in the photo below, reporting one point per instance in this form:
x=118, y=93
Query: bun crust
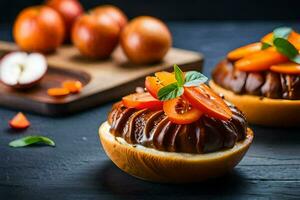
x=263, y=111
x=158, y=166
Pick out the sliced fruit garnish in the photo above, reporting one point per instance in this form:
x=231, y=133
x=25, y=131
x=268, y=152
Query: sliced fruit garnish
x=58, y=92
x=19, y=121
x=141, y=101
x=293, y=38
x=72, y=86
x=261, y=60
x=161, y=79
x=267, y=38
x=207, y=101
x=286, y=68
x=181, y=111
x=244, y=51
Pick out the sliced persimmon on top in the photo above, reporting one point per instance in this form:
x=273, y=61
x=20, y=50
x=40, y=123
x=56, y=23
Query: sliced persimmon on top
x=286, y=68
x=154, y=83
x=207, y=101
x=261, y=60
x=244, y=51
x=180, y=111
x=293, y=38
x=267, y=38
x=142, y=101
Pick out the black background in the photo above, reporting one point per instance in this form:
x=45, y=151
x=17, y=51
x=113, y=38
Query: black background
x=182, y=9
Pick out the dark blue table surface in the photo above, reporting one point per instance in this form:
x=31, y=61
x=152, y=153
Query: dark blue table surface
x=77, y=168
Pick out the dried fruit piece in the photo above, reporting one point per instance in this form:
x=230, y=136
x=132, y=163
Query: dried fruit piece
x=19, y=122
x=72, y=86
x=58, y=92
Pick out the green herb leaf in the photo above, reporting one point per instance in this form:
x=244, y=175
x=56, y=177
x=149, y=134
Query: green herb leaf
x=282, y=32
x=296, y=59
x=178, y=75
x=170, y=92
x=194, y=78
x=28, y=140
x=284, y=47
x=265, y=45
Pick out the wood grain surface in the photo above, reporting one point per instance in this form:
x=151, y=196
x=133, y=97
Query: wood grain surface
x=103, y=80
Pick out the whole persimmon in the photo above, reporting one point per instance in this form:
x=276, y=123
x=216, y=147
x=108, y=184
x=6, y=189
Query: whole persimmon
x=39, y=29
x=69, y=10
x=145, y=40
x=96, y=35
x=113, y=11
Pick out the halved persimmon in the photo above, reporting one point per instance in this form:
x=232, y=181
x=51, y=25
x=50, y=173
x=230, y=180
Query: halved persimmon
x=154, y=83
x=19, y=122
x=244, y=51
x=141, y=101
x=181, y=111
x=286, y=68
x=261, y=60
x=207, y=101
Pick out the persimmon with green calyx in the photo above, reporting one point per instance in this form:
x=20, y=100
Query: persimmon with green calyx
x=286, y=68
x=19, y=122
x=161, y=79
x=261, y=60
x=180, y=111
x=207, y=101
x=244, y=51
x=142, y=101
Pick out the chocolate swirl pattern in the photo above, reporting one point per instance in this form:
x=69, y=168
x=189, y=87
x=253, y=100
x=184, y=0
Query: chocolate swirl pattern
x=153, y=129
x=267, y=84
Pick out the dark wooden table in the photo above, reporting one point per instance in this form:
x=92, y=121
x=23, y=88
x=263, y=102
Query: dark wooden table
x=77, y=168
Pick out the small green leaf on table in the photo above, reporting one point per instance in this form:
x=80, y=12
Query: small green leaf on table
x=29, y=140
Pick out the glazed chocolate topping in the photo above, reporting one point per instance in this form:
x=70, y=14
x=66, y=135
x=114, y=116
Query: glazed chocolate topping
x=153, y=129
x=266, y=83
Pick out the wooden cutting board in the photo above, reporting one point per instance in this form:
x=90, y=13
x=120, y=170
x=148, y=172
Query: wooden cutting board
x=103, y=80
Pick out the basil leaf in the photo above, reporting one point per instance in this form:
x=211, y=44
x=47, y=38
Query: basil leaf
x=194, y=78
x=170, y=92
x=284, y=47
x=282, y=32
x=265, y=45
x=28, y=140
x=296, y=59
x=178, y=75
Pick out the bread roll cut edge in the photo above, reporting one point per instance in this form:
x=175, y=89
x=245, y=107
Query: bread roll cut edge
x=159, y=166
x=262, y=110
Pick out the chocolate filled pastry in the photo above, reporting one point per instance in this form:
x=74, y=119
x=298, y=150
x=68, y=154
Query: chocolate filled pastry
x=178, y=130
x=263, y=79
